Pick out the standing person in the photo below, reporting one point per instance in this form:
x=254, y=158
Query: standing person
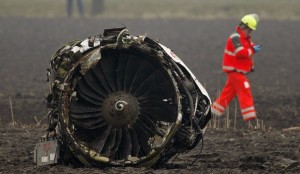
x=70, y=7
x=237, y=63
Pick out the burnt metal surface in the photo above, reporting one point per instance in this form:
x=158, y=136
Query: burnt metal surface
x=122, y=100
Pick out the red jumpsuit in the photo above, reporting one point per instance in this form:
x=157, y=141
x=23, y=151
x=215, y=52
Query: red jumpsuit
x=237, y=62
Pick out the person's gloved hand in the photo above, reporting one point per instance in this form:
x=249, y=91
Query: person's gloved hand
x=257, y=48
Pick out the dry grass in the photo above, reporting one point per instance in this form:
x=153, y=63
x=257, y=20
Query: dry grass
x=12, y=123
x=230, y=121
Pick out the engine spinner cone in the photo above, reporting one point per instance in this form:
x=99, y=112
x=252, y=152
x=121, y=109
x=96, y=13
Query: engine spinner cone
x=120, y=109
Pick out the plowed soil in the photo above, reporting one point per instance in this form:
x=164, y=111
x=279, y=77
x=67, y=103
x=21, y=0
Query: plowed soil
x=27, y=45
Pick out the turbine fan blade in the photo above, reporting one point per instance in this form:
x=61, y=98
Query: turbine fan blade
x=117, y=140
x=84, y=94
x=100, y=140
x=83, y=107
x=83, y=134
x=108, y=65
x=151, y=123
x=154, y=80
x=112, y=138
x=134, y=141
x=131, y=68
x=145, y=127
x=147, y=120
x=159, y=103
x=109, y=143
x=85, y=115
x=160, y=113
x=121, y=69
x=89, y=90
x=91, y=79
x=143, y=138
x=101, y=77
x=144, y=70
x=95, y=123
x=157, y=90
x=125, y=149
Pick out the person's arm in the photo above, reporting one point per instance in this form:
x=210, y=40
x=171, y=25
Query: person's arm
x=240, y=50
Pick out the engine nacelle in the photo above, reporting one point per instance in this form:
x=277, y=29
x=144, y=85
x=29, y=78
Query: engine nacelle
x=122, y=100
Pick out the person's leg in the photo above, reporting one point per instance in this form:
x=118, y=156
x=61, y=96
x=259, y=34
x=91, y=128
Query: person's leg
x=227, y=94
x=69, y=7
x=80, y=7
x=245, y=98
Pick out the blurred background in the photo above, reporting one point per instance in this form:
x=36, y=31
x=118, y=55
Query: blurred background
x=191, y=9
x=196, y=30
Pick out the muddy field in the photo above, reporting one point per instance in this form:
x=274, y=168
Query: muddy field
x=27, y=45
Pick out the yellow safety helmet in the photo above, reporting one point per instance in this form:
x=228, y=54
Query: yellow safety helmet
x=251, y=21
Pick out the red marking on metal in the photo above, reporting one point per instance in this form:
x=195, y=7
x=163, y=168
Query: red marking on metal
x=46, y=147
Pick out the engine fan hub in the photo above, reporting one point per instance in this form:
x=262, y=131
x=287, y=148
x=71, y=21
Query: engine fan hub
x=120, y=109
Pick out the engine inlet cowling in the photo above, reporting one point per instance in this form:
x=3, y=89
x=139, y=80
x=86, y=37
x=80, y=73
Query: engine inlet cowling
x=123, y=100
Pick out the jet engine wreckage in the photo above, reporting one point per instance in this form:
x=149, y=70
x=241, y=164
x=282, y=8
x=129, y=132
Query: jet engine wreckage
x=121, y=100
